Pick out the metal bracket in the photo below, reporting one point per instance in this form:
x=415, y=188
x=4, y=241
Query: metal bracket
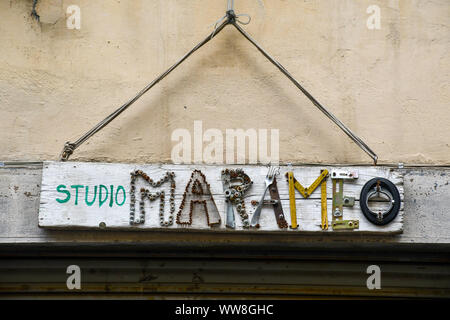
x=348, y=201
x=345, y=224
x=343, y=174
x=340, y=201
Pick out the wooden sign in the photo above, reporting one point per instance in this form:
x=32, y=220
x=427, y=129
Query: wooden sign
x=134, y=197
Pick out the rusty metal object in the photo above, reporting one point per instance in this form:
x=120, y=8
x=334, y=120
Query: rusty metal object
x=235, y=185
x=198, y=192
x=277, y=208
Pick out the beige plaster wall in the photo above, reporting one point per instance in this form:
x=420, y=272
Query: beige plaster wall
x=391, y=86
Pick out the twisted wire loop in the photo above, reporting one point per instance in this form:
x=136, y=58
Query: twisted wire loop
x=68, y=149
x=229, y=18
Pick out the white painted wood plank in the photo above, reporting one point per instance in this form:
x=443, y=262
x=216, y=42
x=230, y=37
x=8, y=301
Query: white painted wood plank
x=81, y=216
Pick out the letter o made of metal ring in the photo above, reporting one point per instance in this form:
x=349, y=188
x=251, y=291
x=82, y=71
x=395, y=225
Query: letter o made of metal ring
x=394, y=198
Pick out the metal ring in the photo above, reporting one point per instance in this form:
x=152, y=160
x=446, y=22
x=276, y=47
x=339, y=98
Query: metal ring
x=374, y=187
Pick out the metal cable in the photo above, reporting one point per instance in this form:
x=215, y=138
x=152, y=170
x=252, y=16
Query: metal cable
x=347, y=131
x=231, y=18
x=69, y=147
x=230, y=5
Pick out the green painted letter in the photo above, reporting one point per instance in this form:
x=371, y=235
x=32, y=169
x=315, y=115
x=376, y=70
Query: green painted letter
x=76, y=187
x=124, y=195
x=111, y=201
x=90, y=203
x=58, y=188
x=102, y=201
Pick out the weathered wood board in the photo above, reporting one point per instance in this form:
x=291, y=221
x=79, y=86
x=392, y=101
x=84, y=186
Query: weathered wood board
x=115, y=214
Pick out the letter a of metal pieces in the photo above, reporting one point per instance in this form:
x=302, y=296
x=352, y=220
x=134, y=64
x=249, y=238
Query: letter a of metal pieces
x=275, y=202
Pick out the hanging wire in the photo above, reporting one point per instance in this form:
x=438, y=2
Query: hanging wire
x=230, y=15
x=333, y=118
x=229, y=18
x=70, y=147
